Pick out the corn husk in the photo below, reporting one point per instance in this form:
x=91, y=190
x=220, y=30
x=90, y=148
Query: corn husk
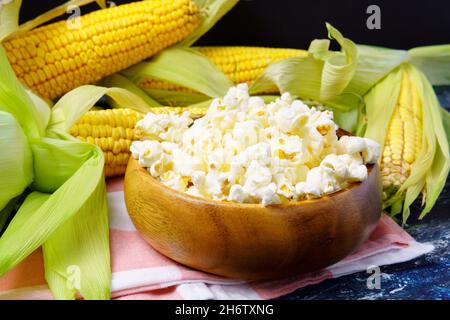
x=9, y=18
x=15, y=159
x=446, y=121
x=434, y=62
x=58, y=185
x=65, y=174
x=119, y=81
x=185, y=67
x=175, y=98
x=339, y=80
x=430, y=169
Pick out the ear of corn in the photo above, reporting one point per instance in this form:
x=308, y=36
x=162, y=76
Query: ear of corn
x=65, y=212
x=404, y=115
x=54, y=59
x=239, y=64
x=113, y=131
x=404, y=137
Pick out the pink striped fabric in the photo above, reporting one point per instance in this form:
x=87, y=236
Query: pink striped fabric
x=139, y=272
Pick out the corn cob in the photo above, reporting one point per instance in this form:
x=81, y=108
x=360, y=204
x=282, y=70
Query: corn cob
x=239, y=64
x=404, y=138
x=54, y=59
x=113, y=131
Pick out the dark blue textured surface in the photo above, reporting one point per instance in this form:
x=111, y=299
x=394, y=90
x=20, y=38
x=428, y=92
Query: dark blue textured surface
x=427, y=277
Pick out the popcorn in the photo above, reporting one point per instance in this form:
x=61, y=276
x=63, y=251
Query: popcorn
x=237, y=97
x=163, y=127
x=247, y=132
x=174, y=180
x=256, y=177
x=284, y=185
x=371, y=153
x=148, y=152
x=318, y=182
x=246, y=151
x=267, y=195
x=334, y=165
x=237, y=194
x=350, y=145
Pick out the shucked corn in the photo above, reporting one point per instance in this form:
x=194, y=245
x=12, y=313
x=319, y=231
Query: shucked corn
x=239, y=64
x=403, y=139
x=113, y=130
x=54, y=59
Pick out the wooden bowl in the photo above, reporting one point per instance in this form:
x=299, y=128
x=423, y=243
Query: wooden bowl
x=249, y=241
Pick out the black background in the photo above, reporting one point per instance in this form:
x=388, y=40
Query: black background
x=294, y=23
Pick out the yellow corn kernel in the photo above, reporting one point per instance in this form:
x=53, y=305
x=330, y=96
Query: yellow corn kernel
x=404, y=137
x=91, y=52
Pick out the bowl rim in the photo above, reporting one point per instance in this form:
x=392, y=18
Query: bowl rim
x=219, y=203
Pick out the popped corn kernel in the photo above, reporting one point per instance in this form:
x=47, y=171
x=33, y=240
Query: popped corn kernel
x=246, y=151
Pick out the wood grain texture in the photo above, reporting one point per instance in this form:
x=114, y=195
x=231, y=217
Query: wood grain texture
x=250, y=241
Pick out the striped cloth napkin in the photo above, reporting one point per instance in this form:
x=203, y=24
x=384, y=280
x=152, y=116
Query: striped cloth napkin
x=139, y=272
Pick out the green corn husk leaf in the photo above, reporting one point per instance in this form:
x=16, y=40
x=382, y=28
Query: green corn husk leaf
x=434, y=62
x=84, y=233
x=66, y=158
x=446, y=122
x=379, y=106
x=430, y=170
x=15, y=159
x=118, y=81
x=72, y=225
x=338, y=80
x=212, y=11
x=9, y=18
x=68, y=182
x=185, y=67
x=30, y=228
x=5, y=214
x=204, y=104
x=338, y=70
x=321, y=76
x=15, y=100
x=17, y=127
x=77, y=102
x=437, y=176
x=374, y=63
x=66, y=223
x=176, y=98
x=8, y=210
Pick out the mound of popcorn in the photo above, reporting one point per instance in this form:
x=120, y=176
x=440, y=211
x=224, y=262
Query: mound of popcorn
x=244, y=150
